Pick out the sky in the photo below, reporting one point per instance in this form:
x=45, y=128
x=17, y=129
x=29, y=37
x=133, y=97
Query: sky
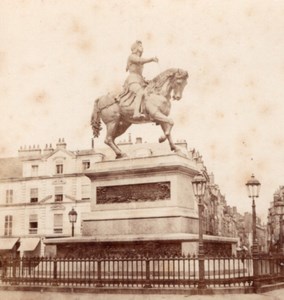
x=58, y=56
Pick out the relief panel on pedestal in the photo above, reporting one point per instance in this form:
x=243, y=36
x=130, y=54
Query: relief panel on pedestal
x=134, y=192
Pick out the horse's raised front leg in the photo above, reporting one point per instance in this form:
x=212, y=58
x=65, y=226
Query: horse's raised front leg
x=172, y=145
x=166, y=124
x=111, y=128
x=167, y=131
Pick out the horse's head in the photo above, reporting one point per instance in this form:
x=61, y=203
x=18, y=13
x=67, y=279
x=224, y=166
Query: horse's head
x=169, y=83
x=178, y=82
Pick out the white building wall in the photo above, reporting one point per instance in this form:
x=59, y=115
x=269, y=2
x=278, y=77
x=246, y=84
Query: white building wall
x=46, y=180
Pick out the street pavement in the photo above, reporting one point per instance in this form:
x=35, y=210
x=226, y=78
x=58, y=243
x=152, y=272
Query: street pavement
x=16, y=295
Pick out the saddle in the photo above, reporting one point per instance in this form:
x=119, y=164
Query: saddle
x=125, y=98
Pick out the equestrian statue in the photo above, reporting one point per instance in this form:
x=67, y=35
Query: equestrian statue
x=140, y=101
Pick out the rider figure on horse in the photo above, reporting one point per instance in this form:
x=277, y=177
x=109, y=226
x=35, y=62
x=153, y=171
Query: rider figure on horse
x=135, y=81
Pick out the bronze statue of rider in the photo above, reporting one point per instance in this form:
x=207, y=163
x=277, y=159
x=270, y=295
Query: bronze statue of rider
x=135, y=81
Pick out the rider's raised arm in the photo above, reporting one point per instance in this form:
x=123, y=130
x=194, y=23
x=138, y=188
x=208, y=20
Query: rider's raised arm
x=137, y=59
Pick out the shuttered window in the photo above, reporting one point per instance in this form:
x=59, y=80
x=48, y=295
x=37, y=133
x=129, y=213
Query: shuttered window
x=8, y=225
x=86, y=191
x=9, y=196
x=59, y=168
x=33, y=224
x=58, y=193
x=34, y=195
x=58, y=223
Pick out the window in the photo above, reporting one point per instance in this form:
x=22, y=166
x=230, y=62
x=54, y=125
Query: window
x=8, y=225
x=86, y=191
x=9, y=196
x=58, y=223
x=34, y=170
x=86, y=164
x=58, y=192
x=59, y=168
x=33, y=224
x=34, y=195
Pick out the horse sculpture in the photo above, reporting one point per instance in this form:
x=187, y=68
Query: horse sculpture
x=117, y=112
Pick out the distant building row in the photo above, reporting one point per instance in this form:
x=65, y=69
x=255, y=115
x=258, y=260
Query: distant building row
x=275, y=222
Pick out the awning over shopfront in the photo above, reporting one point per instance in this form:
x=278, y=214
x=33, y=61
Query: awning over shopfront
x=8, y=243
x=28, y=244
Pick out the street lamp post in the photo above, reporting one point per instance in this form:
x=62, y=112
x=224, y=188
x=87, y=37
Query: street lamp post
x=199, y=184
x=253, y=187
x=72, y=218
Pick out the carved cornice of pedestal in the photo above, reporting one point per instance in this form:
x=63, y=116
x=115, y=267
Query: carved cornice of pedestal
x=138, y=166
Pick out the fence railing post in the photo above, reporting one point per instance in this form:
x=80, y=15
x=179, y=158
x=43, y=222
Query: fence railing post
x=148, y=280
x=55, y=282
x=4, y=263
x=201, y=280
x=256, y=260
x=99, y=282
x=14, y=269
x=281, y=264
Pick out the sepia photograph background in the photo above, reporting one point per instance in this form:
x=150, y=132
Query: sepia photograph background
x=58, y=56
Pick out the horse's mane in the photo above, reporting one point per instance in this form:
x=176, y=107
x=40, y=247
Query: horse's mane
x=157, y=82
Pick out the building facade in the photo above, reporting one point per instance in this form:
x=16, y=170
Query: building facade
x=275, y=222
x=37, y=191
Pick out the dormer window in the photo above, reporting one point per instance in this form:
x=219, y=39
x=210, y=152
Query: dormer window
x=86, y=164
x=59, y=168
x=34, y=170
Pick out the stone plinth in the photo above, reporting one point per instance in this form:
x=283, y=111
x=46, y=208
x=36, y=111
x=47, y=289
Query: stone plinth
x=144, y=195
x=141, y=205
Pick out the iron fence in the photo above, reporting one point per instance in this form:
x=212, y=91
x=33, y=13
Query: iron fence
x=144, y=272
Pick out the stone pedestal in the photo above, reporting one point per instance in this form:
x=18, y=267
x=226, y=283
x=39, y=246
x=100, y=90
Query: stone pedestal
x=142, y=196
x=141, y=205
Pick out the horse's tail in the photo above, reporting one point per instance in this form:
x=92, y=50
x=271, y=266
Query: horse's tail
x=96, y=119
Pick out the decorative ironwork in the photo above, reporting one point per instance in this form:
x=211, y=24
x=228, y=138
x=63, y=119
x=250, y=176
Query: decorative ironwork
x=134, y=193
x=141, y=271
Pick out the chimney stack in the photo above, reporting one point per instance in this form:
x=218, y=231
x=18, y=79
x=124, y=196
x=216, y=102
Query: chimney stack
x=31, y=151
x=48, y=149
x=61, y=144
x=181, y=143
